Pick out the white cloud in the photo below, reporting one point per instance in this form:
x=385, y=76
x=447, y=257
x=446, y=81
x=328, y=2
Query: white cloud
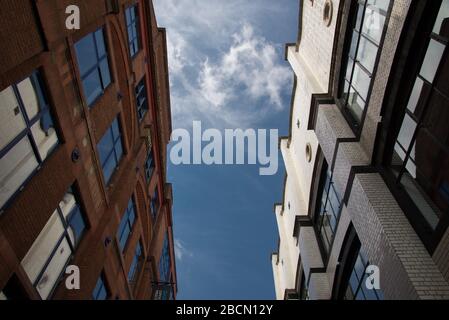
x=181, y=251
x=222, y=71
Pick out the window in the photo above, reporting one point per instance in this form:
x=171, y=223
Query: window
x=149, y=166
x=126, y=224
x=141, y=99
x=357, y=289
x=155, y=203
x=419, y=161
x=47, y=258
x=27, y=134
x=132, y=25
x=164, y=261
x=100, y=291
x=367, y=28
x=329, y=214
x=135, y=265
x=92, y=56
x=111, y=150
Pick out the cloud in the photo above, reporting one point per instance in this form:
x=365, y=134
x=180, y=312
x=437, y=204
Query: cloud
x=181, y=251
x=222, y=71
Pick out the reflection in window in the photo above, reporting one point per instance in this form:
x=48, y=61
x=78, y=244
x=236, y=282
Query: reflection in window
x=126, y=224
x=357, y=289
x=367, y=28
x=110, y=150
x=330, y=209
x=100, y=291
x=93, y=65
x=420, y=160
x=48, y=256
x=27, y=133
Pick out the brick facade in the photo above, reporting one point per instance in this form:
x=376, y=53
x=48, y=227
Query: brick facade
x=34, y=37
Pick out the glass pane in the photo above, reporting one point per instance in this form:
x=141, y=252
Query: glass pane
x=108, y=168
x=373, y=23
x=54, y=270
x=361, y=81
x=29, y=97
x=77, y=226
x=360, y=12
x=115, y=129
x=99, y=292
x=15, y=167
x=125, y=236
x=356, y=105
x=432, y=60
x=105, y=146
x=44, y=135
x=42, y=247
x=86, y=54
x=416, y=94
x=381, y=4
x=11, y=120
x=105, y=73
x=118, y=150
x=99, y=38
x=359, y=267
x=442, y=23
x=407, y=131
x=436, y=119
x=92, y=86
x=367, y=54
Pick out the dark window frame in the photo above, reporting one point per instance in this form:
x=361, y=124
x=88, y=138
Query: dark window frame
x=395, y=115
x=325, y=185
x=41, y=90
x=340, y=100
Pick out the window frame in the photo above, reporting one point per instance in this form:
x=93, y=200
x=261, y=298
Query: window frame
x=37, y=79
x=136, y=264
x=112, y=152
x=340, y=100
x=141, y=93
x=104, y=285
x=64, y=236
x=396, y=113
x=150, y=166
x=164, y=265
x=325, y=185
x=96, y=66
x=131, y=206
x=138, y=35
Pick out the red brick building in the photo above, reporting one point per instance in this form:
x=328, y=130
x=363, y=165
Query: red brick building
x=84, y=123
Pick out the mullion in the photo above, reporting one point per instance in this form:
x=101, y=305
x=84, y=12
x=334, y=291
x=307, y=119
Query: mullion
x=357, y=46
x=421, y=118
x=28, y=124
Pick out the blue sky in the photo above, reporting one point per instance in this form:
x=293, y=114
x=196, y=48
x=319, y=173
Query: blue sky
x=227, y=70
